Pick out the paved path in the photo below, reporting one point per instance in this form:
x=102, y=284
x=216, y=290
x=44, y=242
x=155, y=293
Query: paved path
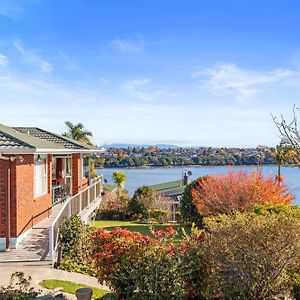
x=34, y=247
x=39, y=273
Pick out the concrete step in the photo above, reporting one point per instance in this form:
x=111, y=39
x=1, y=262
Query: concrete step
x=28, y=263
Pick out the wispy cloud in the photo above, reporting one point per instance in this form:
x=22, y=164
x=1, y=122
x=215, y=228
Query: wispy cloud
x=242, y=83
x=144, y=89
x=129, y=46
x=33, y=57
x=3, y=60
x=68, y=62
x=136, y=88
x=49, y=103
x=10, y=9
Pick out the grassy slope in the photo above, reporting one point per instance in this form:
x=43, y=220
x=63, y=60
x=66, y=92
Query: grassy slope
x=133, y=226
x=71, y=287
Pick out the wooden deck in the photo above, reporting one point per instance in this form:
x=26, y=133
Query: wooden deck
x=35, y=246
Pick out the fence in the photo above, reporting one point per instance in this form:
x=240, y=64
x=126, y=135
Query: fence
x=73, y=206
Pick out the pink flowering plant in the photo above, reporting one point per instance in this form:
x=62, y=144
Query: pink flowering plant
x=135, y=265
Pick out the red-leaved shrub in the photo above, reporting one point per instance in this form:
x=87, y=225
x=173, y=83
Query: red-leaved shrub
x=142, y=267
x=238, y=191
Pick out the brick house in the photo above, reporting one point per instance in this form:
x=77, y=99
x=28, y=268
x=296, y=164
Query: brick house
x=37, y=170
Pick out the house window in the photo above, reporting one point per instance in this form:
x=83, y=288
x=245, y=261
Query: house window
x=40, y=175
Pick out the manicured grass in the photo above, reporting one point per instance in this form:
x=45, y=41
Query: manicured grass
x=134, y=226
x=70, y=287
x=105, y=224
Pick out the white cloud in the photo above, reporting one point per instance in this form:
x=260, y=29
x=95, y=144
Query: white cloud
x=10, y=9
x=26, y=101
x=129, y=46
x=32, y=57
x=143, y=89
x=3, y=60
x=136, y=88
x=242, y=83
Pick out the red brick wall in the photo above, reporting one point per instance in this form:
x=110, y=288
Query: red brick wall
x=27, y=205
x=23, y=204
x=3, y=197
x=76, y=174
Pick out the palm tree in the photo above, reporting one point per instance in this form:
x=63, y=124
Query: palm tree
x=78, y=132
x=119, y=179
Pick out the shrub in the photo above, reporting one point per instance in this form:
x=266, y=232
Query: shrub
x=114, y=207
x=193, y=270
x=114, y=268
x=293, y=210
x=188, y=209
x=142, y=201
x=140, y=267
x=75, y=239
x=76, y=246
x=71, y=265
x=160, y=216
x=249, y=256
x=18, y=288
x=237, y=191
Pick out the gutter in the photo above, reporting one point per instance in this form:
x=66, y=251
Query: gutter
x=3, y=157
x=48, y=151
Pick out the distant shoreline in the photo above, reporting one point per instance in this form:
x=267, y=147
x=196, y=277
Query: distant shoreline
x=190, y=166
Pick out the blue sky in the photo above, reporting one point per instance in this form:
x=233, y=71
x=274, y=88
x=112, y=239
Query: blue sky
x=193, y=72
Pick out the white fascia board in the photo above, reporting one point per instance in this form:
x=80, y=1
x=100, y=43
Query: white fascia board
x=17, y=151
x=48, y=151
x=67, y=151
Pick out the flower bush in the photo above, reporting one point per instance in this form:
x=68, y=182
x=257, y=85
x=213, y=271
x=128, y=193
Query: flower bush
x=237, y=191
x=140, y=267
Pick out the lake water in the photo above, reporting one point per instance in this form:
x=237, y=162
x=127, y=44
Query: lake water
x=137, y=177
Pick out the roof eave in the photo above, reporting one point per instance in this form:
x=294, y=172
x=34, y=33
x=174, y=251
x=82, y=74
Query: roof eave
x=17, y=151
x=64, y=151
x=48, y=151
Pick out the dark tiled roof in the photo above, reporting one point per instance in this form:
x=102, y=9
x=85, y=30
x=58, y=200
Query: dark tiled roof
x=34, y=138
x=51, y=137
x=10, y=142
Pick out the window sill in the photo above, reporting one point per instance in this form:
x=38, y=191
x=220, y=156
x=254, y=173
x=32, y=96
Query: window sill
x=39, y=196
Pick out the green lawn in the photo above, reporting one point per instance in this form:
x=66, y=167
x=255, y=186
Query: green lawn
x=70, y=287
x=134, y=226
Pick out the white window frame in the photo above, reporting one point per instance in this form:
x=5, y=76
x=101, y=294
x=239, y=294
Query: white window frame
x=45, y=176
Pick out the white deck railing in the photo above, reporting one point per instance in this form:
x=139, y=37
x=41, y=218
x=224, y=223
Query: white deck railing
x=73, y=206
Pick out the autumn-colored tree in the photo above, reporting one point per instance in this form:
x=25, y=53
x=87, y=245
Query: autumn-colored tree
x=238, y=191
